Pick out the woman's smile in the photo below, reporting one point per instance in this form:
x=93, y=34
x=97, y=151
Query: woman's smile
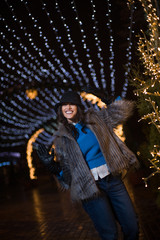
x=69, y=111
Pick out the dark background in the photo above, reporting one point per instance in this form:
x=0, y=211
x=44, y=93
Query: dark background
x=25, y=28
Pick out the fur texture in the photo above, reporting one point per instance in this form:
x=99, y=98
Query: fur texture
x=118, y=157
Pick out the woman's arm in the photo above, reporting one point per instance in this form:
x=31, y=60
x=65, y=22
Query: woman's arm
x=118, y=112
x=63, y=177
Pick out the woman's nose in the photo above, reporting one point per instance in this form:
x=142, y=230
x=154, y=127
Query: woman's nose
x=68, y=105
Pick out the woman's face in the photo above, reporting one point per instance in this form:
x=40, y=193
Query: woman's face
x=69, y=111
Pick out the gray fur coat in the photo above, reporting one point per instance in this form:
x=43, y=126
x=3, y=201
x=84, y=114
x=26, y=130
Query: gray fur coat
x=76, y=174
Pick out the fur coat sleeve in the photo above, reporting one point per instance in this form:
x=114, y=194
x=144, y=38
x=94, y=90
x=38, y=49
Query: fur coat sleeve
x=117, y=112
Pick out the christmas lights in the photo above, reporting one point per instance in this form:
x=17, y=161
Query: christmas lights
x=148, y=85
x=84, y=44
x=41, y=51
x=64, y=50
x=99, y=49
x=128, y=50
x=29, y=151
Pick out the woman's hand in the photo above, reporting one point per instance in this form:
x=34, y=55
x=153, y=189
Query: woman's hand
x=48, y=159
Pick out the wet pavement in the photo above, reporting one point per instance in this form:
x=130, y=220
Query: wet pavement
x=43, y=213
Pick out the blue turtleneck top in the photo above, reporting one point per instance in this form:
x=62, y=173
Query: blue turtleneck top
x=89, y=146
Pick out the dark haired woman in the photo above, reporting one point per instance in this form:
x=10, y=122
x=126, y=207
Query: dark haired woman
x=90, y=159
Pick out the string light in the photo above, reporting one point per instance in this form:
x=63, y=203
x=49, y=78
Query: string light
x=128, y=50
x=93, y=99
x=31, y=93
x=65, y=73
x=147, y=88
x=62, y=47
x=31, y=60
x=84, y=44
x=99, y=49
x=29, y=152
x=111, y=58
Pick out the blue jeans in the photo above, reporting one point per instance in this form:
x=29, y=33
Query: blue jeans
x=113, y=205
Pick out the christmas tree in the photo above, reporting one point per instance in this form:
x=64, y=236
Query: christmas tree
x=146, y=80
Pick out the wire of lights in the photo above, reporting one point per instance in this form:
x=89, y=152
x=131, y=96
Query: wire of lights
x=18, y=106
x=28, y=64
x=84, y=44
x=65, y=73
x=147, y=86
x=52, y=94
x=150, y=49
x=10, y=77
x=24, y=71
x=128, y=50
x=29, y=151
x=18, y=51
x=31, y=104
x=17, y=116
x=99, y=49
x=71, y=43
x=8, y=80
x=38, y=50
x=41, y=72
x=62, y=47
x=111, y=58
x=18, y=122
x=11, y=131
x=51, y=51
x=21, y=46
x=13, y=144
x=10, y=43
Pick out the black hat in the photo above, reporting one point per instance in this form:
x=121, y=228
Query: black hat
x=70, y=97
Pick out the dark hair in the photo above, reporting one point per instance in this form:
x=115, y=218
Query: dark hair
x=70, y=127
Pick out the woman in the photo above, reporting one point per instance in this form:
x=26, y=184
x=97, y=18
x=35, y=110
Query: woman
x=89, y=162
